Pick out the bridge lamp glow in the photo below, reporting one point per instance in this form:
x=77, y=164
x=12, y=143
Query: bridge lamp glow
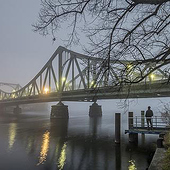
x=129, y=66
x=46, y=90
x=63, y=79
x=93, y=84
x=152, y=76
x=13, y=95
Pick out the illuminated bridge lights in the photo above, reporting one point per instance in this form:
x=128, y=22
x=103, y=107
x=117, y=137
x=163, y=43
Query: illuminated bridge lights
x=129, y=66
x=46, y=90
x=63, y=79
x=152, y=76
x=67, y=73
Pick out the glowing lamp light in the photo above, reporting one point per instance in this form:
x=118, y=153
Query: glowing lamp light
x=13, y=91
x=92, y=83
x=152, y=76
x=63, y=79
x=46, y=90
x=129, y=66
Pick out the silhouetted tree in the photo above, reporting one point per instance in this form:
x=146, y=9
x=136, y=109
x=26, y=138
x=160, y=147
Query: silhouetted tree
x=136, y=31
x=165, y=112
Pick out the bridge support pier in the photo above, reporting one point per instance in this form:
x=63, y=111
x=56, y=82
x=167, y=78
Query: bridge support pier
x=59, y=111
x=17, y=110
x=2, y=109
x=95, y=110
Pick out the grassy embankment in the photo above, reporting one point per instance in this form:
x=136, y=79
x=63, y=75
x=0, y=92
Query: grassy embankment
x=166, y=162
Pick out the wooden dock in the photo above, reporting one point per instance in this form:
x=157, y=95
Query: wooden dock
x=137, y=125
x=144, y=130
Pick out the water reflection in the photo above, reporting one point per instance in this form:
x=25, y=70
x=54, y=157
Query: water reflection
x=44, y=147
x=118, y=157
x=74, y=144
x=59, y=128
x=12, y=135
x=95, y=122
x=59, y=132
x=132, y=165
x=62, y=158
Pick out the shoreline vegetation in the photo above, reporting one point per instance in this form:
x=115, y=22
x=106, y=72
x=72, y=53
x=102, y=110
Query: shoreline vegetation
x=166, y=161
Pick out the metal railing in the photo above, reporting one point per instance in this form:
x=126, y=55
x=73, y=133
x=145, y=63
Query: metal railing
x=141, y=122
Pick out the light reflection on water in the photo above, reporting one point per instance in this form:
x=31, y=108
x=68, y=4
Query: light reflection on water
x=44, y=147
x=12, y=135
x=62, y=159
x=80, y=143
x=132, y=165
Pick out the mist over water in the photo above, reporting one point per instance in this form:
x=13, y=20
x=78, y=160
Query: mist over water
x=32, y=141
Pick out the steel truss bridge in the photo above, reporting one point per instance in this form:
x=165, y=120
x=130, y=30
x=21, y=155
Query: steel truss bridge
x=15, y=87
x=70, y=76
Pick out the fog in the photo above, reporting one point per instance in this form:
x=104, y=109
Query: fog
x=23, y=53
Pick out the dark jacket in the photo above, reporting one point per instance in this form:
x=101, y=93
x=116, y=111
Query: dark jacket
x=149, y=113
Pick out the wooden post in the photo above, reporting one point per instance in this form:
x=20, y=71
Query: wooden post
x=160, y=143
x=156, y=120
x=130, y=120
x=117, y=127
x=133, y=137
x=143, y=125
x=118, y=157
x=142, y=118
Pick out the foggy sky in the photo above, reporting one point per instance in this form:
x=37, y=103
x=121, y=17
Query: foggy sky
x=22, y=52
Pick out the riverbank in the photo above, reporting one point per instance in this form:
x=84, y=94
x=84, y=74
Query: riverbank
x=161, y=157
x=157, y=161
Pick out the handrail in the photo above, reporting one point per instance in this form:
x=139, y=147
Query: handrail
x=140, y=121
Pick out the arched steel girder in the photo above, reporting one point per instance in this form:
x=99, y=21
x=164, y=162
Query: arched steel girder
x=67, y=70
x=12, y=85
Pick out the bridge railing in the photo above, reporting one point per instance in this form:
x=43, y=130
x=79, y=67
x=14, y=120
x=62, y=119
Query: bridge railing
x=141, y=122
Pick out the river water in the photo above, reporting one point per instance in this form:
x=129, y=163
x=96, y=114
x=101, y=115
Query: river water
x=31, y=141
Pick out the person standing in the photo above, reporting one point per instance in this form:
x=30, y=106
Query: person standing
x=148, y=115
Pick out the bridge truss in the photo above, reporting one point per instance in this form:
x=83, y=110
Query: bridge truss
x=75, y=77
x=15, y=87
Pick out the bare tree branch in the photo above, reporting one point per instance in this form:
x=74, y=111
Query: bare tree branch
x=124, y=30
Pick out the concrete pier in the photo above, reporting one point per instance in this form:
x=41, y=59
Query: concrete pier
x=2, y=109
x=95, y=110
x=17, y=110
x=59, y=111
